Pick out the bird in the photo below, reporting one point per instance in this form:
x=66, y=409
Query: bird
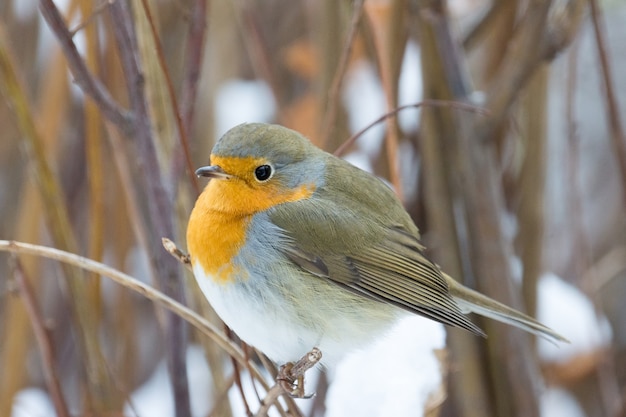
x=295, y=248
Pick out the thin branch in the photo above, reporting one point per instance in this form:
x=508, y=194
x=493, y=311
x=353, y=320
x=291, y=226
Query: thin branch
x=182, y=132
x=137, y=286
x=41, y=336
x=194, y=52
x=97, y=10
x=523, y=54
x=121, y=117
x=193, y=62
x=425, y=103
x=330, y=115
x=384, y=28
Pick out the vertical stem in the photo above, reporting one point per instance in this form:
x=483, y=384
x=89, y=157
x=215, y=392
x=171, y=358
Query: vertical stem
x=468, y=387
x=532, y=186
x=617, y=131
x=93, y=148
x=160, y=208
x=43, y=340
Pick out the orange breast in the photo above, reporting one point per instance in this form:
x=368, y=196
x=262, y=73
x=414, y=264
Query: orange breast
x=214, y=239
x=218, y=223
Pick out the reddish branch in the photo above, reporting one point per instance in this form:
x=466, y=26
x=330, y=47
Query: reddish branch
x=43, y=339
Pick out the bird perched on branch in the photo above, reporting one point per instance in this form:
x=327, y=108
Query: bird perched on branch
x=295, y=248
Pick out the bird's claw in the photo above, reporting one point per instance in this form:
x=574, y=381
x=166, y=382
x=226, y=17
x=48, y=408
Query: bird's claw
x=292, y=386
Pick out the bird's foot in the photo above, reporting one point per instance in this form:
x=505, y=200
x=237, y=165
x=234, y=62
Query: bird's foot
x=291, y=375
x=294, y=386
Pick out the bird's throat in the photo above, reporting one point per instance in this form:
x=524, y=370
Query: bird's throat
x=214, y=238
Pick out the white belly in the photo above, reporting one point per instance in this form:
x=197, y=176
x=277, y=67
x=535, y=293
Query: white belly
x=263, y=318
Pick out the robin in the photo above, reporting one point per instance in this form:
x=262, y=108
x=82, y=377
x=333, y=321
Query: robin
x=295, y=248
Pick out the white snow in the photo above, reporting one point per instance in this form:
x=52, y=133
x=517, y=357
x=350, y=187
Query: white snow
x=393, y=377
x=239, y=101
x=154, y=397
x=365, y=102
x=410, y=87
x=556, y=402
x=569, y=312
x=32, y=402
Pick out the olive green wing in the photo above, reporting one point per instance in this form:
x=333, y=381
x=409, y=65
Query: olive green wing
x=362, y=255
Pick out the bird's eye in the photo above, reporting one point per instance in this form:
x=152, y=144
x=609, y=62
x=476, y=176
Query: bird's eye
x=263, y=172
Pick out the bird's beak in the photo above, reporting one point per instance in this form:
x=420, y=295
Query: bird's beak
x=212, y=171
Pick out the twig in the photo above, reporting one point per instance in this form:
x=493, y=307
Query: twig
x=173, y=250
x=295, y=372
x=430, y=102
x=43, y=340
x=121, y=117
x=96, y=11
x=147, y=291
x=333, y=96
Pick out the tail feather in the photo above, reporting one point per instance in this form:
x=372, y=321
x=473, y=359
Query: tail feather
x=475, y=302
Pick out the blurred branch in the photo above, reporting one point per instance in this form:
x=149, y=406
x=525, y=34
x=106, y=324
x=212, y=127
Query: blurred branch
x=194, y=51
x=532, y=186
x=539, y=36
x=101, y=388
x=518, y=63
x=258, y=50
x=467, y=181
x=424, y=103
x=121, y=117
x=182, y=131
x=387, y=32
x=93, y=156
x=90, y=16
x=470, y=388
x=485, y=25
x=132, y=205
x=617, y=131
x=43, y=340
x=160, y=207
x=330, y=115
